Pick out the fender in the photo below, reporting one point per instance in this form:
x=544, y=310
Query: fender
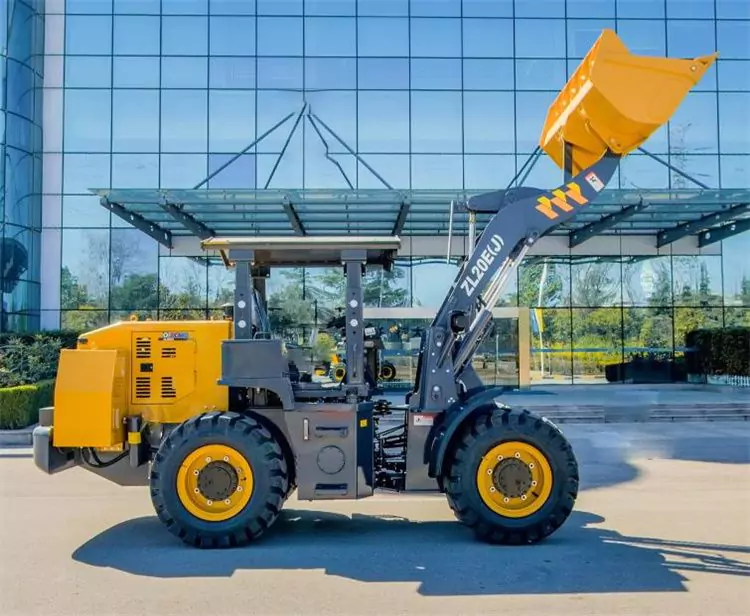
x=453, y=418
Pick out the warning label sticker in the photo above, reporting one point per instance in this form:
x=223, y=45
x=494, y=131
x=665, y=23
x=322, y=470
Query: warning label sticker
x=595, y=182
x=424, y=420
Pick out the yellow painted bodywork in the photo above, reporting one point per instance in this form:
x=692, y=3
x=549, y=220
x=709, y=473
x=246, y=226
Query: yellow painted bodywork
x=164, y=371
x=615, y=101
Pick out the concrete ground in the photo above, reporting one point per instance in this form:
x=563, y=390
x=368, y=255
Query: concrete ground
x=662, y=527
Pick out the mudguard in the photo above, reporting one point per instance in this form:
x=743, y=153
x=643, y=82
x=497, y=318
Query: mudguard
x=453, y=418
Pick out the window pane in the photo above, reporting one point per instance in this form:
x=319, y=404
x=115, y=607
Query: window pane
x=289, y=171
x=137, y=35
x=528, y=33
x=690, y=9
x=688, y=39
x=697, y=280
x=232, y=120
x=488, y=171
x=582, y=33
x=231, y=73
x=394, y=169
x=436, y=171
x=87, y=6
x=435, y=38
x=233, y=36
x=692, y=128
x=531, y=109
x=81, y=172
x=736, y=317
x=136, y=121
x=688, y=319
x=84, y=211
x=88, y=72
x=488, y=74
x=134, y=262
x=734, y=75
x=232, y=7
x=734, y=171
x=597, y=341
x=540, y=74
x=648, y=331
x=732, y=9
x=383, y=7
x=330, y=36
x=85, y=268
x=281, y=73
x=647, y=281
x=383, y=121
x=436, y=121
x=136, y=72
x=85, y=34
x=383, y=36
x=703, y=168
x=179, y=72
x=279, y=7
x=330, y=7
x=274, y=106
x=329, y=73
x=535, y=8
x=279, y=36
x=184, y=36
x=431, y=281
x=550, y=350
x=182, y=170
x=185, y=7
x=383, y=73
x=734, y=39
x=544, y=282
x=486, y=126
x=184, y=122
x=487, y=38
x=87, y=120
x=643, y=37
x=488, y=8
x=135, y=170
x=640, y=171
x=596, y=281
x=183, y=284
x=138, y=7
x=591, y=8
x=736, y=268
x=734, y=111
x=240, y=173
x=429, y=74
x=639, y=8
x=338, y=111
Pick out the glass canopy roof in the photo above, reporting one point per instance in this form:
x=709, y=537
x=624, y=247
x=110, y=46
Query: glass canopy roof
x=169, y=213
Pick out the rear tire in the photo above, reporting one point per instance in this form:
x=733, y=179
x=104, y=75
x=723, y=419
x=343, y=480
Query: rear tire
x=512, y=477
x=182, y=486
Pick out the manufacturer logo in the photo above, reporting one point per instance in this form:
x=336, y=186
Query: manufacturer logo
x=174, y=336
x=487, y=256
x=595, y=182
x=560, y=200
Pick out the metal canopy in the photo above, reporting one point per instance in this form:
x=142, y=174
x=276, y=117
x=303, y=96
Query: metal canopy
x=319, y=251
x=203, y=213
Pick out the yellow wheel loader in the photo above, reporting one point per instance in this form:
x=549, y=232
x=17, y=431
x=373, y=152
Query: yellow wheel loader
x=221, y=426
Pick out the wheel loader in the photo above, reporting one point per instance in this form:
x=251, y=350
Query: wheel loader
x=222, y=427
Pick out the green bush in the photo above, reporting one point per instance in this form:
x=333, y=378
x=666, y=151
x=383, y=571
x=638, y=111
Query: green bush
x=19, y=406
x=723, y=351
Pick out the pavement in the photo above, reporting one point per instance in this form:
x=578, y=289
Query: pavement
x=661, y=527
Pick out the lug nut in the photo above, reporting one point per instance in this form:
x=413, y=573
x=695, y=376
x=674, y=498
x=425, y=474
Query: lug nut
x=489, y=471
x=523, y=497
x=518, y=455
x=209, y=502
x=533, y=484
x=208, y=460
x=227, y=502
x=531, y=465
x=506, y=500
x=493, y=490
x=226, y=458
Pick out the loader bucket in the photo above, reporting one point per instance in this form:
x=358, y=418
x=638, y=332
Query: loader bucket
x=615, y=100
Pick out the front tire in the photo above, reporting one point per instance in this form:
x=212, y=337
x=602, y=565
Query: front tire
x=512, y=477
x=219, y=480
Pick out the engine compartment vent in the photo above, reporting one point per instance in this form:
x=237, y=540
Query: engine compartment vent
x=167, y=387
x=142, y=387
x=143, y=348
x=168, y=352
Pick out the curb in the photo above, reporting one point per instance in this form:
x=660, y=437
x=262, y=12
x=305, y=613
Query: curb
x=17, y=438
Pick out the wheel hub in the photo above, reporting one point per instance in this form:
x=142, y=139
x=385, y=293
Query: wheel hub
x=217, y=481
x=512, y=478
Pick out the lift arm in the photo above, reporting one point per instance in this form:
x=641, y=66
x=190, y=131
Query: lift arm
x=454, y=336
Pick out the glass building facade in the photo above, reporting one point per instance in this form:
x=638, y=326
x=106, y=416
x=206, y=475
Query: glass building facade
x=21, y=110
x=447, y=94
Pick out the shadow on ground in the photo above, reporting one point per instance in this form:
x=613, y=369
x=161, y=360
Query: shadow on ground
x=443, y=558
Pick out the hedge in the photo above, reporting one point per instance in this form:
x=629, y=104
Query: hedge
x=719, y=351
x=66, y=338
x=19, y=406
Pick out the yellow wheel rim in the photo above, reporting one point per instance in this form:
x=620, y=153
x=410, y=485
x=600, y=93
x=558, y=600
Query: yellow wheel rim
x=514, y=479
x=386, y=373
x=215, y=483
x=339, y=374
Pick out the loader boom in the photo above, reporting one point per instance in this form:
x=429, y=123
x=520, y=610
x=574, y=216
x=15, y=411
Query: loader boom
x=444, y=371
